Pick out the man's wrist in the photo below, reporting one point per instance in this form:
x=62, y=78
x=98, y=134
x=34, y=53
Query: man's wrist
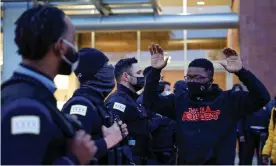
x=156, y=69
x=109, y=142
x=242, y=70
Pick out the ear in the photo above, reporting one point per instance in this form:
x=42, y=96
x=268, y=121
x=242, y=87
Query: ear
x=211, y=81
x=59, y=47
x=124, y=77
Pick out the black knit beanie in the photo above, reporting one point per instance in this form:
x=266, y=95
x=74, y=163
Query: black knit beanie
x=90, y=62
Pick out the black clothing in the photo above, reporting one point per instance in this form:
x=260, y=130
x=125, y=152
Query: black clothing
x=206, y=125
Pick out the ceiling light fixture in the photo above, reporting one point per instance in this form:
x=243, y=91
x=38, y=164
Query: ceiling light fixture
x=200, y=3
x=184, y=13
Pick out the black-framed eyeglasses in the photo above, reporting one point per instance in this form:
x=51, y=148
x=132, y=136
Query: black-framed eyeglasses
x=194, y=79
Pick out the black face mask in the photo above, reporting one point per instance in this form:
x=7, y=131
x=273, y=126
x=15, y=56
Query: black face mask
x=198, y=89
x=103, y=81
x=106, y=77
x=140, y=83
x=69, y=62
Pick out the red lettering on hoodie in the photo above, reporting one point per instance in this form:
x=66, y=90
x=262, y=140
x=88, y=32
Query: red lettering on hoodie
x=200, y=114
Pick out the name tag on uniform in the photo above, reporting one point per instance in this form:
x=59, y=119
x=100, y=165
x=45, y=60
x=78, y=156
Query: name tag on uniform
x=78, y=109
x=25, y=124
x=119, y=106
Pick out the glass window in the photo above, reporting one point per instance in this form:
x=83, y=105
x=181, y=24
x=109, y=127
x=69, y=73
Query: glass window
x=117, y=45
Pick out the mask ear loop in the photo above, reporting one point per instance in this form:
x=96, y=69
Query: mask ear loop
x=70, y=45
x=202, y=88
x=75, y=64
x=210, y=82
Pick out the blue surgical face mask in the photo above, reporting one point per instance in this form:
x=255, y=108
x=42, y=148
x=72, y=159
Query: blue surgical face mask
x=70, y=59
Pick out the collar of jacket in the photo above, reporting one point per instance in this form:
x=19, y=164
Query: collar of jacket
x=35, y=74
x=97, y=97
x=123, y=88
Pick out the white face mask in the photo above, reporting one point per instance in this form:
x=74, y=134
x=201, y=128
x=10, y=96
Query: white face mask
x=71, y=59
x=166, y=93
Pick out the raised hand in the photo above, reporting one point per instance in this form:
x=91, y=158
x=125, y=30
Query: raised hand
x=233, y=62
x=158, y=60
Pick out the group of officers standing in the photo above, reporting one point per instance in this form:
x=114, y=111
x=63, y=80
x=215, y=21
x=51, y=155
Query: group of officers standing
x=191, y=126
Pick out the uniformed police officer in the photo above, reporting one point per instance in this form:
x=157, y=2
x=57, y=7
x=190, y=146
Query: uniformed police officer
x=163, y=135
x=122, y=102
x=206, y=117
x=96, y=78
x=33, y=131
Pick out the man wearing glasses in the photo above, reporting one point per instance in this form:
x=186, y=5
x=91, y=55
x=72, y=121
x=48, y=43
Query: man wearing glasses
x=206, y=117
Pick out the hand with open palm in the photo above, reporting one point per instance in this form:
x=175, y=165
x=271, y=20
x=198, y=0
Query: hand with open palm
x=158, y=60
x=233, y=62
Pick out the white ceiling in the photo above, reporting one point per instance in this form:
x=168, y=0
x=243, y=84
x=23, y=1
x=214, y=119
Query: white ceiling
x=194, y=2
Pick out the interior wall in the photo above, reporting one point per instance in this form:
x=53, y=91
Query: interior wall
x=172, y=76
x=236, y=80
x=220, y=79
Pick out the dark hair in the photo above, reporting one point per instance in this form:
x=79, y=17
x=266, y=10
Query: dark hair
x=205, y=64
x=167, y=83
x=147, y=70
x=37, y=29
x=237, y=86
x=123, y=66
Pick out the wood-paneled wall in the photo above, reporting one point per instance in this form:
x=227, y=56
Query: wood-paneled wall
x=127, y=41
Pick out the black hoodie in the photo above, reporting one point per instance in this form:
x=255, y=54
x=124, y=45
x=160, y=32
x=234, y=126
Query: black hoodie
x=204, y=124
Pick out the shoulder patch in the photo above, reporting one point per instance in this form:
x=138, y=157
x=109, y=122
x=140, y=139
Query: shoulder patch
x=78, y=109
x=25, y=124
x=119, y=106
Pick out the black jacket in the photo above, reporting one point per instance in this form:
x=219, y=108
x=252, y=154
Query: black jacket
x=33, y=131
x=88, y=110
x=123, y=104
x=163, y=133
x=203, y=125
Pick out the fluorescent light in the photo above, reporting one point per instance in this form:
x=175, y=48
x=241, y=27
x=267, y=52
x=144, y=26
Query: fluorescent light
x=184, y=13
x=200, y=3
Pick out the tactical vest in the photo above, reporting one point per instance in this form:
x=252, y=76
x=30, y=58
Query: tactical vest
x=143, y=144
x=120, y=154
x=38, y=92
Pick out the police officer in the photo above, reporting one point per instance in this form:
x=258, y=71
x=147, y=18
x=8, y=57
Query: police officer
x=96, y=78
x=206, y=117
x=34, y=132
x=122, y=102
x=255, y=128
x=163, y=134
